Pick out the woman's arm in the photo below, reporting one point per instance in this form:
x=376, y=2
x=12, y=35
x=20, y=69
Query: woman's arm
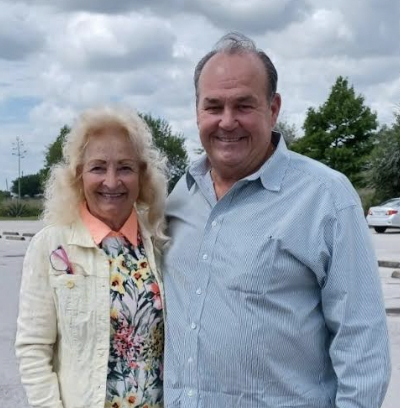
x=37, y=329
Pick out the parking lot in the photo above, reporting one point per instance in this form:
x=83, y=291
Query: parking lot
x=387, y=247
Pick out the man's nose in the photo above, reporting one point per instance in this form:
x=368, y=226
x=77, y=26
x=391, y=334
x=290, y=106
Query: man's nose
x=228, y=120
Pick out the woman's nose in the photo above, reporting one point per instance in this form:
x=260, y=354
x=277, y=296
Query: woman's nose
x=111, y=180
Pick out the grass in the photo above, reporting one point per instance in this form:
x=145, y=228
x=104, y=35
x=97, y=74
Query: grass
x=33, y=218
x=24, y=209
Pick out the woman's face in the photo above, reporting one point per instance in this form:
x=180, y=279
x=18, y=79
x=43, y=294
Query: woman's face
x=110, y=176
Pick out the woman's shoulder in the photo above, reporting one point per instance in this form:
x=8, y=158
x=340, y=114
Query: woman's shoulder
x=52, y=233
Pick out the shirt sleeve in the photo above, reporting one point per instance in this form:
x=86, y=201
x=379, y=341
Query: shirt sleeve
x=37, y=330
x=354, y=312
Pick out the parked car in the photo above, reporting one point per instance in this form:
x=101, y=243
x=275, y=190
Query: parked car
x=385, y=215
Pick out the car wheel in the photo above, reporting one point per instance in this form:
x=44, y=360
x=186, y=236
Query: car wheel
x=380, y=230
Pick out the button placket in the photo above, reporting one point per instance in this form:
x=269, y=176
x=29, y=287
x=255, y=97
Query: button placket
x=199, y=288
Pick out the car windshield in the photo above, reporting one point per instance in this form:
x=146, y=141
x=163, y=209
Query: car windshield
x=394, y=202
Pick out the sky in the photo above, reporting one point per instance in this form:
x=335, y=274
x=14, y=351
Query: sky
x=59, y=57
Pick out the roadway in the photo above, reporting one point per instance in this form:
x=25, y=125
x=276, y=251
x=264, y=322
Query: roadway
x=387, y=247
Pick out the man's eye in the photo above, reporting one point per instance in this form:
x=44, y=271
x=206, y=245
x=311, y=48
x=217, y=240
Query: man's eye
x=245, y=107
x=213, y=108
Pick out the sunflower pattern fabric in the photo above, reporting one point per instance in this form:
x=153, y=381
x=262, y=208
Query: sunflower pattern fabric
x=135, y=365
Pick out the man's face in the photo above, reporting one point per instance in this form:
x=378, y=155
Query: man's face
x=234, y=117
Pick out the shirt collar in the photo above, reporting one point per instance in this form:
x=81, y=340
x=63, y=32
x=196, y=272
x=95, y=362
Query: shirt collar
x=271, y=173
x=99, y=230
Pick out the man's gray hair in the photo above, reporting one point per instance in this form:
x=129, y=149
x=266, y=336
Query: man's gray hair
x=237, y=43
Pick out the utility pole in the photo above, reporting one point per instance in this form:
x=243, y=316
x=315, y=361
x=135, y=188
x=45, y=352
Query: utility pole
x=19, y=151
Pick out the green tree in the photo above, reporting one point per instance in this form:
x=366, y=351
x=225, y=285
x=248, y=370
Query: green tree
x=30, y=185
x=340, y=133
x=4, y=194
x=384, y=166
x=171, y=144
x=53, y=153
x=288, y=131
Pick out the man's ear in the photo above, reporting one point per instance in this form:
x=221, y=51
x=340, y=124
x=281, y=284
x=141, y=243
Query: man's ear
x=275, y=108
x=197, y=116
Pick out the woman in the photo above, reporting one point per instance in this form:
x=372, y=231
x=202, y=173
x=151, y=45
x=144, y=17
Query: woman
x=90, y=325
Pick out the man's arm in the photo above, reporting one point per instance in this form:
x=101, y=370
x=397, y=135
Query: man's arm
x=354, y=312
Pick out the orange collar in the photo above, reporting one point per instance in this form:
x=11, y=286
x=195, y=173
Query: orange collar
x=98, y=230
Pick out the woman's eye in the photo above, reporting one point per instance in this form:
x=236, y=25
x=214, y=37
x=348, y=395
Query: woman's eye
x=97, y=169
x=126, y=169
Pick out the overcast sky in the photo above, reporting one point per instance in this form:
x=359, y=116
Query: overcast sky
x=58, y=57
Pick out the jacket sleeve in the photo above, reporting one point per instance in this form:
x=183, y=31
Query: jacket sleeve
x=354, y=313
x=37, y=329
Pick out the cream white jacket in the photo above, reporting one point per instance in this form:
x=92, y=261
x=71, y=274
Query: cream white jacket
x=63, y=329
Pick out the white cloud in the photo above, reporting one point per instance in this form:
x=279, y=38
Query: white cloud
x=109, y=7
x=113, y=43
x=250, y=16
x=20, y=35
x=61, y=56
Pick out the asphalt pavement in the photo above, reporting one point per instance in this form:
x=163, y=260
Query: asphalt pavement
x=387, y=247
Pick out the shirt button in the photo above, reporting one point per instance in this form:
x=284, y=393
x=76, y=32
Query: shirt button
x=205, y=257
x=214, y=223
x=70, y=284
x=190, y=360
x=190, y=393
x=193, y=326
x=198, y=291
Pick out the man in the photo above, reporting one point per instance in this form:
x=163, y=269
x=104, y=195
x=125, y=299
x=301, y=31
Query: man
x=272, y=288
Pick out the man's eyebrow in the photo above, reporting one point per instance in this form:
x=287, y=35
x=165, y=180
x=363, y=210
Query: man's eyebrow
x=247, y=98
x=212, y=101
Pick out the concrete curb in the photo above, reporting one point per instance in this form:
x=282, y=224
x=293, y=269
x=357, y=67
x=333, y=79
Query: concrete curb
x=16, y=235
x=7, y=235
x=389, y=264
x=393, y=311
x=15, y=238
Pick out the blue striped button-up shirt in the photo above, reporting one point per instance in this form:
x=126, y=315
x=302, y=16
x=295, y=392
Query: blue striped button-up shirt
x=272, y=292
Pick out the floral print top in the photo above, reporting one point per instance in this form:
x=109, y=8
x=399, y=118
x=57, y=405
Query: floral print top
x=135, y=365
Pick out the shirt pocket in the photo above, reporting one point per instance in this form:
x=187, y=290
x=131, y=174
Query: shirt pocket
x=251, y=268
x=72, y=298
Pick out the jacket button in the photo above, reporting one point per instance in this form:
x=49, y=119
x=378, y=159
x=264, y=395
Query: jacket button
x=70, y=284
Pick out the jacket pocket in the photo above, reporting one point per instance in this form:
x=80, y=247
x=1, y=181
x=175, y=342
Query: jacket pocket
x=71, y=294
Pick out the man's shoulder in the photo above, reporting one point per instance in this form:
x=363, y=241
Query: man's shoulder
x=179, y=193
x=323, y=178
x=314, y=169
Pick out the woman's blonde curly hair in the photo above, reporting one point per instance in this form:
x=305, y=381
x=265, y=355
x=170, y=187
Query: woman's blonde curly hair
x=64, y=192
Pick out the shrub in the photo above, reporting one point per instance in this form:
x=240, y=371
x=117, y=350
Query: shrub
x=21, y=208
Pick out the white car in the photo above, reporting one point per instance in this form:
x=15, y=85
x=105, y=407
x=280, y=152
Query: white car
x=386, y=215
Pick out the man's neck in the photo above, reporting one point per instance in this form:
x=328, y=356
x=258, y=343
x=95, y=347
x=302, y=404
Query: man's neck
x=221, y=184
x=224, y=179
